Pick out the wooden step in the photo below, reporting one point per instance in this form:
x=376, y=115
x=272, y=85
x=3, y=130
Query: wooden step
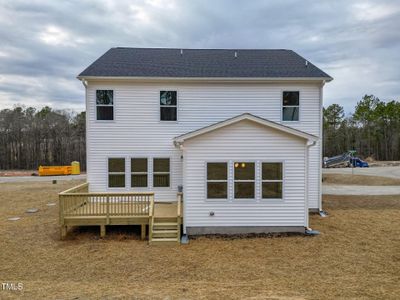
x=164, y=241
x=165, y=224
x=165, y=231
x=165, y=234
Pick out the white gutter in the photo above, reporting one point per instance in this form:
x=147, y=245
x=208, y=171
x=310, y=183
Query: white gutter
x=219, y=79
x=84, y=82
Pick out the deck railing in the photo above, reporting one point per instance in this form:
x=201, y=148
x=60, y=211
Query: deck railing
x=78, y=202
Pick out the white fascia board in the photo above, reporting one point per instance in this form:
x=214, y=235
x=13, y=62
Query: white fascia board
x=219, y=79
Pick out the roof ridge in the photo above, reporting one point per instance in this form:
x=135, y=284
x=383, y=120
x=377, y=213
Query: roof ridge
x=182, y=48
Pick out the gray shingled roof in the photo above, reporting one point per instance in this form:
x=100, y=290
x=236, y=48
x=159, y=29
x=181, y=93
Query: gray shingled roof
x=217, y=63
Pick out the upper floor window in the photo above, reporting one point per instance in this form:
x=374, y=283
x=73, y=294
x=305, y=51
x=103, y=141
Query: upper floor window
x=168, y=106
x=290, y=106
x=116, y=172
x=139, y=172
x=217, y=180
x=105, y=104
x=272, y=180
x=244, y=180
x=161, y=172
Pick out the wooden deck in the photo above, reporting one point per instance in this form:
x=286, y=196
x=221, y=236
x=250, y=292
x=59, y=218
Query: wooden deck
x=78, y=207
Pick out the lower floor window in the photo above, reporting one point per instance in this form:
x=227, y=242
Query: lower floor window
x=243, y=182
x=138, y=172
x=272, y=179
x=116, y=172
x=161, y=172
x=217, y=180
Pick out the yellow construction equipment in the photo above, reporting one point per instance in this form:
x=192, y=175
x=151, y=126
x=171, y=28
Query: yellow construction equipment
x=73, y=169
x=76, y=169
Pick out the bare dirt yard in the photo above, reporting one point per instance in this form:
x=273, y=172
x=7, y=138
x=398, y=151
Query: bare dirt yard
x=348, y=179
x=12, y=173
x=357, y=256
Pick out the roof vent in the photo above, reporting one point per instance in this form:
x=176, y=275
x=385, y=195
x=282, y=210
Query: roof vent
x=181, y=51
x=235, y=54
x=306, y=63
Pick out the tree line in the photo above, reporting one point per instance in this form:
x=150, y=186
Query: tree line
x=30, y=138
x=373, y=129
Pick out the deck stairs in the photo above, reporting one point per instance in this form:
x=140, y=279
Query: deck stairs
x=165, y=228
x=165, y=231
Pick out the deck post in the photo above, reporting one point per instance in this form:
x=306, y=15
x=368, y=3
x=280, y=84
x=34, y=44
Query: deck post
x=63, y=231
x=102, y=231
x=108, y=209
x=143, y=232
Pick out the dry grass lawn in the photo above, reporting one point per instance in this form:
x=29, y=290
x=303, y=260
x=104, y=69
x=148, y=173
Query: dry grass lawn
x=356, y=256
x=358, y=179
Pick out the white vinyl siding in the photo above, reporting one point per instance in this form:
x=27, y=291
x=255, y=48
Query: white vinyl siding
x=138, y=132
x=245, y=141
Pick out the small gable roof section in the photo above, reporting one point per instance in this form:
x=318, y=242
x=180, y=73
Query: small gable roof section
x=179, y=140
x=223, y=64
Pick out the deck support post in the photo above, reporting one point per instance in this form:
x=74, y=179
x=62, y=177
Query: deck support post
x=63, y=231
x=102, y=231
x=143, y=232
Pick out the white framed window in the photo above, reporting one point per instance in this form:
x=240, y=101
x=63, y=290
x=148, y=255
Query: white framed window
x=139, y=172
x=244, y=180
x=217, y=180
x=105, y=105
x=272, y=180
x=290, y=105
x=116, y=172
x=161, y=172
x=168, y=106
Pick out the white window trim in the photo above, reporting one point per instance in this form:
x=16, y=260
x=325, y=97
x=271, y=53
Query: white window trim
x=176, y=106
x=282, y=180
x=103, y=105
x=139, y=173
x=116, y=173
x=227, y=181
x=283, y=106
x=242, y=180
x=161, y=173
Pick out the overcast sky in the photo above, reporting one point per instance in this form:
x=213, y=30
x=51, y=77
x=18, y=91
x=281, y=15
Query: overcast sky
x=45, y=44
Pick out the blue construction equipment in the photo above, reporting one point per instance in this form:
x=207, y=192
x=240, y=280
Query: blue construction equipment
x=346, y=159
x=342, y=160
x=357, y=162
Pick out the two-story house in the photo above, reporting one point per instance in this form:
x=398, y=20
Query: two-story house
x=238, y=131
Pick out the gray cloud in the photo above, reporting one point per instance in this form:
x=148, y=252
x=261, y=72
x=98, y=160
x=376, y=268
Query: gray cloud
x=45, y=44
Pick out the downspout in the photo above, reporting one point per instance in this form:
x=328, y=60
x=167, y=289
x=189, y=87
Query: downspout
x=179, y=144
x=184, y=186
x=321, y=141
x=309, y=144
